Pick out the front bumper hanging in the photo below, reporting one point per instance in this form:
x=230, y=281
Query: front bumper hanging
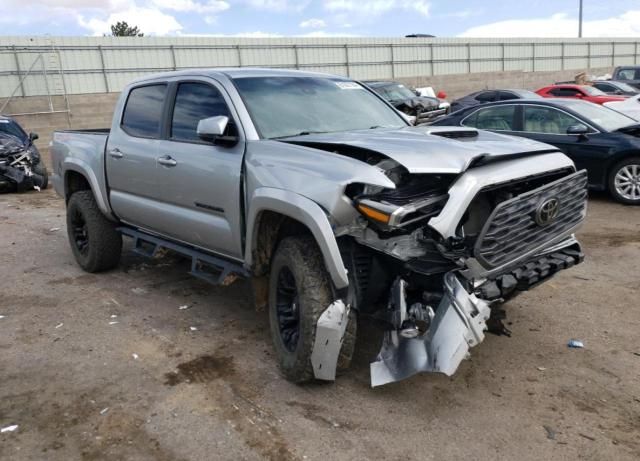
x=459, y=323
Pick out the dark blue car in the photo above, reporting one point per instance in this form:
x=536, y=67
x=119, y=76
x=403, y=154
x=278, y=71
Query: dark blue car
x=600, y=140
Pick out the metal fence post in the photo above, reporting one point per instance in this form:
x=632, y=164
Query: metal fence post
x=346, y=59
x=297, y=57
x=562, y=53
x=393, y=61
x=613, y=55
x=468, y=57
x=239, y=55
x=173, y=57
x=18, y=71
x=504, y=64
x=533, y=57
x=588, y=55
x=104, y=70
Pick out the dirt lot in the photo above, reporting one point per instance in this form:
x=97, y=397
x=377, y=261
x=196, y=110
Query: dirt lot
x=108, y=367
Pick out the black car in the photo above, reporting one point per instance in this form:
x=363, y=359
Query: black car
x=600, y=140
x=21, y=167
x=407, y=101
x=485, y=96
x=615, y=88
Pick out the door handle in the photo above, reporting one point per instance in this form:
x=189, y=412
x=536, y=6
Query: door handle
x=166, y=160
x=116, y=153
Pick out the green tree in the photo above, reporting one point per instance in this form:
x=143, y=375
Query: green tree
x=122, y=29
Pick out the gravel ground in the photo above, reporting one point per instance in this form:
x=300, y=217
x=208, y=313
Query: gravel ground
x=109, y=367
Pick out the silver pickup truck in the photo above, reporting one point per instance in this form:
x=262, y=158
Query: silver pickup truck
x=317, y=190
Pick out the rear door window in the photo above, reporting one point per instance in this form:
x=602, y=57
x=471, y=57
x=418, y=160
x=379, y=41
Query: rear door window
x=507, y=96
x=499, y=118
x=195, y=102
x=565, y=92
x=142, y=114
x=487, y=96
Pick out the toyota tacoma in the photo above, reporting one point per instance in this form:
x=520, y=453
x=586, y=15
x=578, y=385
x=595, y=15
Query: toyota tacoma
x=318, y=191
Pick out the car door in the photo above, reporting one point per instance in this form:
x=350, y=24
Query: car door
x=131, y=154
x=549, y=125
x=200, y=181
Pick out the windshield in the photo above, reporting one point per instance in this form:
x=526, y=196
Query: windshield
x=291, y=106
x=593, y=91
x=608, y=119
x=395, y=92
x=12, y=128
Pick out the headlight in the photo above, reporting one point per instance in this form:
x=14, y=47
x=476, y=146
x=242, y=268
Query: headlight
x=402, y=215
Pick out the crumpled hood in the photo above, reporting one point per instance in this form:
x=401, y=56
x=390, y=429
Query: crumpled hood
x=419, y=102
x=420, y=151
x=10, y=145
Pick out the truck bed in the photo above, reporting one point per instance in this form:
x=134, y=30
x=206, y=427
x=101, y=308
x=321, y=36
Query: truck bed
x=82, y=151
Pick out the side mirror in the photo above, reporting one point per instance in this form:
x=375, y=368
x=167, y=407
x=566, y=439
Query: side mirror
x=580, y=130
x=33, y=136
x=441, y=95
x=213, y=130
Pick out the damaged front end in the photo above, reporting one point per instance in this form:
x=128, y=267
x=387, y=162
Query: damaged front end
x=445, y=287
x=20, y=168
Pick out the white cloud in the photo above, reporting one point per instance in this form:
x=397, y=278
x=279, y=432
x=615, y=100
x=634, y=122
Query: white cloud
x=149, y=20
x=313, y=23
x=279, y=5
x=561, y=25
x=377, y=7
x=209, y=6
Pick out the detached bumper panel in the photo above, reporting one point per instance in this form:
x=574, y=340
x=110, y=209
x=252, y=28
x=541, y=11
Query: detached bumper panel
x=459, y=324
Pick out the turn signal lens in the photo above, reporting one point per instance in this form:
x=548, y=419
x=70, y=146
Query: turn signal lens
x=374, y=214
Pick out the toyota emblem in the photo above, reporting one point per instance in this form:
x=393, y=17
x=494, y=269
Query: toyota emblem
x=547, y=211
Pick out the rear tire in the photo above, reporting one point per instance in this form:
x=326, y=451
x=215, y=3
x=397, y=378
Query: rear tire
x=95, y=243
x=299, y=292
x=624, y=181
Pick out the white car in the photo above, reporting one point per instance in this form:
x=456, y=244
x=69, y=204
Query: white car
x=629, y=107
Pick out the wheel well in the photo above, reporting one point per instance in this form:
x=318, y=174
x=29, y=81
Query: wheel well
x=73, y=182
x=620, y=158
x=271, y=228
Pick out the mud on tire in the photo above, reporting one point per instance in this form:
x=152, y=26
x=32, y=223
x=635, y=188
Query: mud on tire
x=95, y=243
x=299, y=292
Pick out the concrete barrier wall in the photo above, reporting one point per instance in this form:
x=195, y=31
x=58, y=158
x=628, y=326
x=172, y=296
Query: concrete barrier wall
x=96, y=110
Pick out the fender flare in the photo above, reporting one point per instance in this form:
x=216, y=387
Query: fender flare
x=100, y=194
x=308, y=213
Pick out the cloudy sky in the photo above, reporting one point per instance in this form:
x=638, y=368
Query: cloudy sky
x=472, y=18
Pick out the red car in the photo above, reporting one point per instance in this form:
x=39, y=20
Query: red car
x=584, y=92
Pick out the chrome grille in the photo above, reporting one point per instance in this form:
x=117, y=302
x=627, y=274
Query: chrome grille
x=512, y=230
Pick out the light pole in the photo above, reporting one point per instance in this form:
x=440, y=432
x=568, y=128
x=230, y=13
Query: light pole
x=580, y=21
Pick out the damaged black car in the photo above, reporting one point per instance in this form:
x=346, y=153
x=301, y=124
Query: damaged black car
x=21, y=167
x=425, y=109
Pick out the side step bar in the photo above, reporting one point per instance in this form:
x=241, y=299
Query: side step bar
x=211, y=269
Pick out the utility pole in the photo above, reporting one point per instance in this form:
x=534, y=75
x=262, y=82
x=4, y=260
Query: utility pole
x=580, y=21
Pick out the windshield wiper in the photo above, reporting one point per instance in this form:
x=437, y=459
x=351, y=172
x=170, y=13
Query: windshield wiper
x=302, y=133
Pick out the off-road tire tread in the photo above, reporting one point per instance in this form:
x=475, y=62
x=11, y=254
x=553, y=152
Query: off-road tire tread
x=302, y=256
x=105, y=243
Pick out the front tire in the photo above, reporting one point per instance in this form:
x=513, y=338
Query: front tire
x=299, y=292
x=42, y=172
x=95, y=243
x=624, y=181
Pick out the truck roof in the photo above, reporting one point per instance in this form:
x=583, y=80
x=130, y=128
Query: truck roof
x=235, y=72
